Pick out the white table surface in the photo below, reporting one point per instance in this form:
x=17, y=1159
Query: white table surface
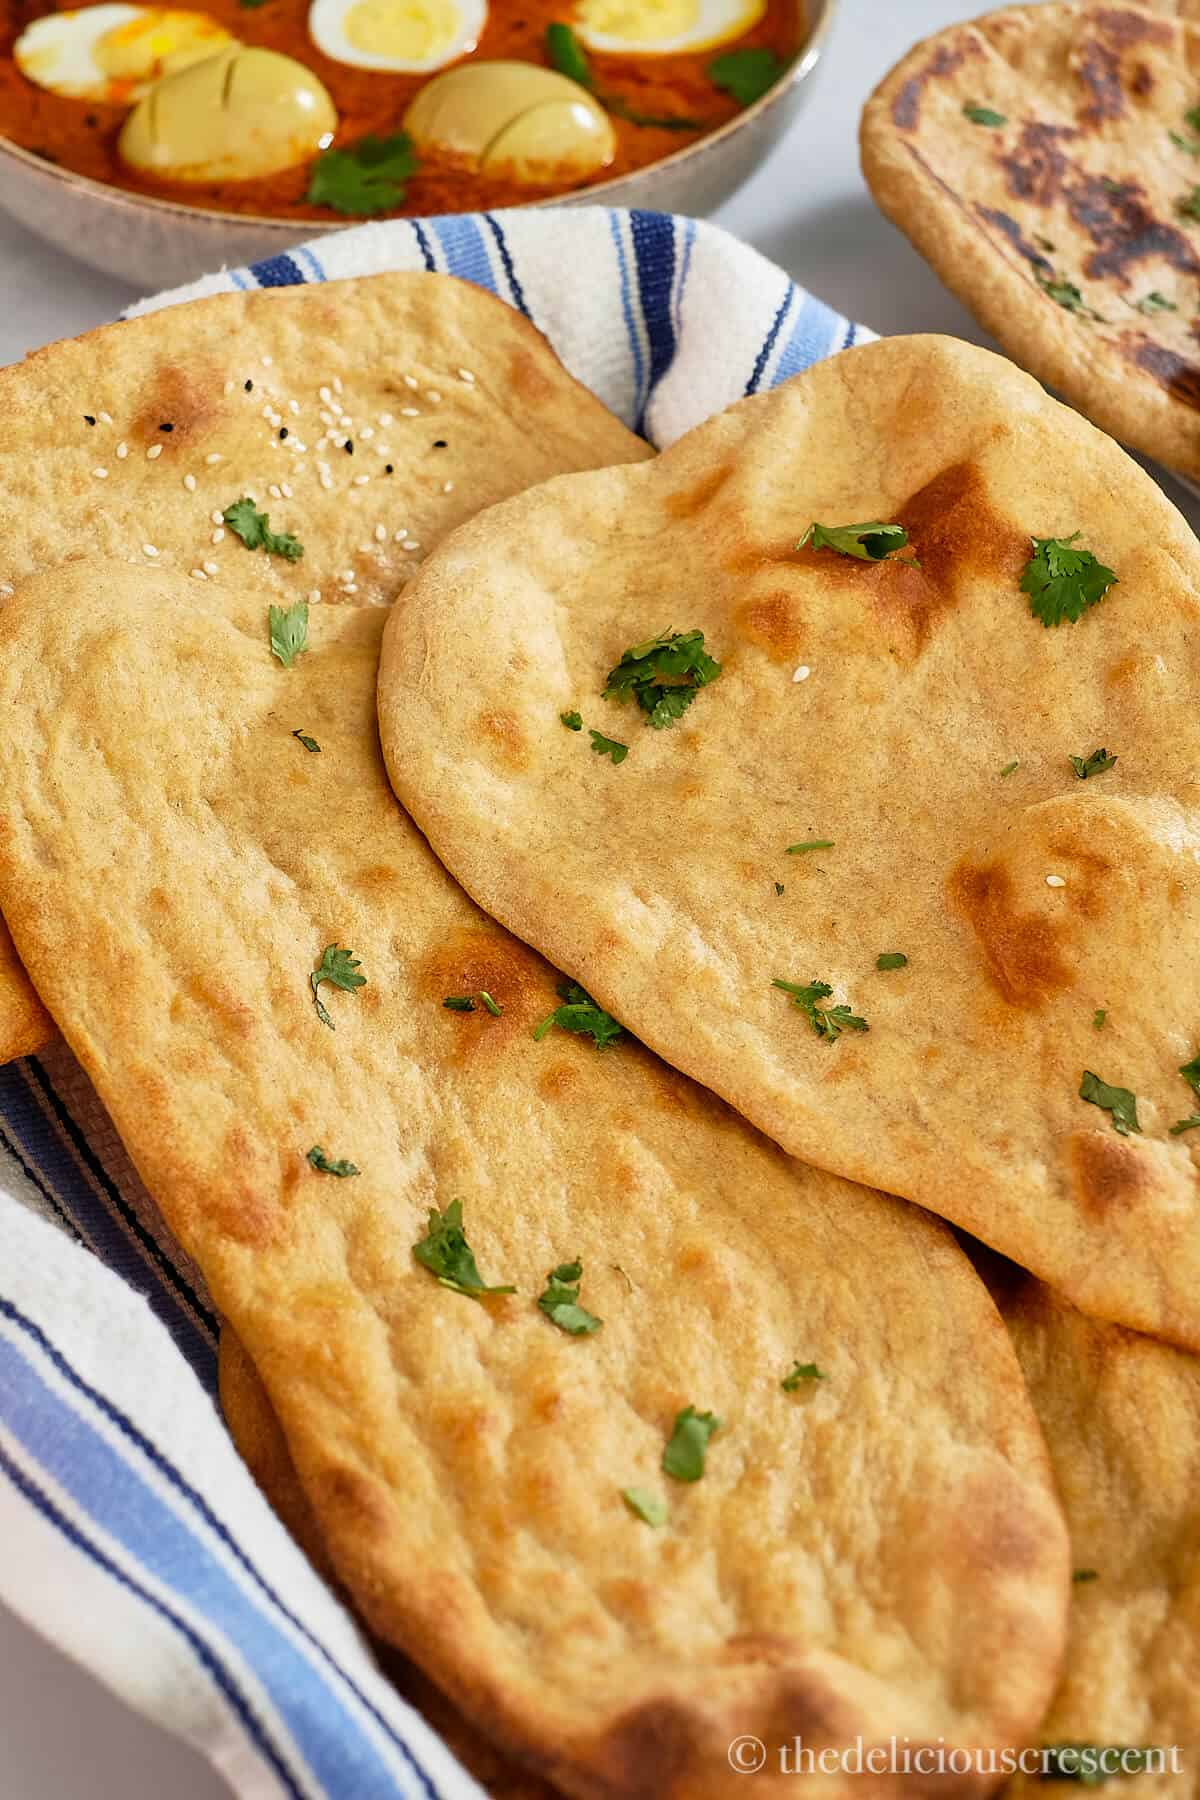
x=61, y=1736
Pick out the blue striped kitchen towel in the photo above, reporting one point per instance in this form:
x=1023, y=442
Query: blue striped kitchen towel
x=131, y=1535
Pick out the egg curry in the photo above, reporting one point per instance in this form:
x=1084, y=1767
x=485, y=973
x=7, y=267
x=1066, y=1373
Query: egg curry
x=315, y=109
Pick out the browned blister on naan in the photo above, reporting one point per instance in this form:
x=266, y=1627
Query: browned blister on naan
x=1043, y=159
x=880, y=1552
x=876, y=708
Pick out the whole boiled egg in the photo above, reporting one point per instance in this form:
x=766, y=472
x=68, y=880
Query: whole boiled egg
x=113, y=53
x=405, y=36
x=663, y=27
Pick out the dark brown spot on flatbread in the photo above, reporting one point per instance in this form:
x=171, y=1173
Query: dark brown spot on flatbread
x=906, y=107
x=1126, y=27
x=686, y=502
x=503, y=729
x=772, y=621
x=1107, y=1172
x=189, y=398
x=1007, y=226
x=1123, y=228
x=1100, y=71
x=645, y=1752
x=1035, y=167
x=1021, y=954
x=1176, y=373
x=1142, y=80
x=475, y=960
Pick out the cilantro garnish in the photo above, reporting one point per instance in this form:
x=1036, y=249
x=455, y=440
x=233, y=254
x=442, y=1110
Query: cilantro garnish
x=1154, y=302
x=1115, y=1100
x=663, y=675
x=1066, y=295
x=799, y=1374
x=560, y=1302
x=779, y=887
x=288, y=627
x=367, y=178
x=984, y=115
x=1095, y=764
x=1191, y=118
x=1091, y=1765
x=683, y=1458
x=445, y=1251
x=459, y=1003
x=1098, y=1018
x=891, y=959
x=1190, y=145
x=1191, y=1072
x=1009, y=769
x=867, y=543
x=1081, y=1575
x=606, y=746
x=647, y=1506
x=254, y=529
x=580, y=1013
x=338, y=967
x=330, y=1165
x=809, y=844
x=1062, y=582
x=1189, y=204
x=1188, y=1124
x=493, y=1006
x=572, y=720
x=745, y=74
x=827, y=1022
x=310, y=743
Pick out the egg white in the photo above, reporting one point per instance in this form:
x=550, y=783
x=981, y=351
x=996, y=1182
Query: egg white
x=63, y=51
x=403, y=36
x=663, y=27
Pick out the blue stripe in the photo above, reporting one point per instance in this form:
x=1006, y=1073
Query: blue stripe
x=221, y=1678
x=426, y=249
x=196, y=1500
x=466, y=251
x=685, y=266
x=277, y=271
x=851, y=336
x=517, y=291
x=764, y=354
x=33, y=1176
x=238, y=278
x=654, y=252
x=813, y=337
x=142, y=1262
x=316, y=271
x=639, y=403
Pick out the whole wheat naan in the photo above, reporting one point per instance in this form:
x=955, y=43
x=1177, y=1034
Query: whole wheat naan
x=127, y=442
x=880, y=1552
x=1061, y=208
x=1025, y=900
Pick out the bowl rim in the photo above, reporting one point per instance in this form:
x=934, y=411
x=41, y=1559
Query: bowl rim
x=297, y=230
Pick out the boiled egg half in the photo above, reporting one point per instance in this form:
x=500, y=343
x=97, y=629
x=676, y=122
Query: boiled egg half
x=407, y=36
x=113, y=53
x=663, y=27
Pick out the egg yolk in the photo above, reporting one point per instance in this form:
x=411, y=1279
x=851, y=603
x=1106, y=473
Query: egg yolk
x=157, y=43
x=409, y=30
x=638, y=21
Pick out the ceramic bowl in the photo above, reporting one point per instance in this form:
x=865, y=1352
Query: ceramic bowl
x=155, y=243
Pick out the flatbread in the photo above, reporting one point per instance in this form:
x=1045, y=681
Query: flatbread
x=653, y=882
x=259, y=1438
x=1071, y=203
x=1121, y=1415
x=249, y=385
x=879, y=1554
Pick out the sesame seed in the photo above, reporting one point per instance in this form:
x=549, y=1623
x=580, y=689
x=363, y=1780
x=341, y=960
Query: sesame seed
x=267, y=410
x=218, y=518
x=198, y=574
x=325, y=395
x=149, y=550
x=327, y=418
x=351, y=587
x=368, y=431
x=346, y=422
x=433, y=397
x=361, y=480
x=88, y=419
x=381, y=534
x=314, y=595
x=298, y=446
x=802, y=673
x=275, y=491
x=274, y=419
x=228, y=389
x=104, y=418
x=410, y=381
x=465, y=375
x=122, y=451
x=410, y=412
x=399, y=536
x=100, y=474
x=189, y=482
x=385, y=418
x=6, y=587
x=213, y=458
x=337, y=384
x=447, y=487
x=210, y=568
x=218, y=535
x=294, y=408
x=153, y=451
x=301, y=466
x=285, y=490
x=346, y=575
x=1055, y=881
x=326, y=479
x=412, y=546
x=266, y=362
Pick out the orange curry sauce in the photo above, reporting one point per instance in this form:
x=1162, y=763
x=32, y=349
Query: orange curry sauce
x=82, y=136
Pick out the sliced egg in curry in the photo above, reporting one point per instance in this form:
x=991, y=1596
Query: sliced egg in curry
x=112, y=53
x=407, y=36
x=663, y=27
x=512, y=120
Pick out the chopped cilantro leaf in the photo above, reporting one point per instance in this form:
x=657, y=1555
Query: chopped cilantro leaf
x=1188, y=1124
x=867, y=543
x=827, y=1022
x=606, y=746
x=1066, y=295
x=1009, y=769
x=1191, y=1073
x=1154, y=302
x=647, y=1506
x=621, y=109
x=1081, y=1575
x=1095, y=764
x=891, y=959
x=1091, y=1765
x=254, y=529
x=288, y=628
x=1115, y=1100
x=338, y=967
x=1188, y=205
x=746, y=74
x=572, y=720
x=329, y=1165
x=1189, y=145
x=310, y=743
x=1063, y=582
x=560, y=1302
x=580, y=1013
x=779, y=887
x=367, y=178
x=1098, y=1018
x=458, y=1003
x=663, y=675
x=445, y=1251
x=809, y=844
x=984, y=115
x=493, y=1006
x=799, y=1374
x=683, y=1458
x=565, y=53
x=1191, y=118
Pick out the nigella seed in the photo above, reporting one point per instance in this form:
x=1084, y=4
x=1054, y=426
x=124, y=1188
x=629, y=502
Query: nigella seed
x=348, y=446
x=389, y=469
x=166, y=427
x=283, y=431
x=88, y=419
x=249, y=386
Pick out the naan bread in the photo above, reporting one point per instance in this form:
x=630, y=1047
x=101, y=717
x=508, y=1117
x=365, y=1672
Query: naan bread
x=653, y=883
x=1121, y=1416
x=880, y=1553
x=450, y=399
x=1068, y=210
